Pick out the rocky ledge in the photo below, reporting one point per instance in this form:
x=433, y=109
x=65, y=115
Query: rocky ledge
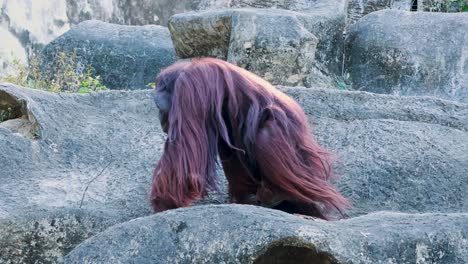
x=248, y=234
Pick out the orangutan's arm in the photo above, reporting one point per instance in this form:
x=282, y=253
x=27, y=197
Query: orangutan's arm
x=280, y=172
x=242, y=187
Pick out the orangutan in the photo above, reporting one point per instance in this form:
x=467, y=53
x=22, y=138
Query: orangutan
x=209, y=107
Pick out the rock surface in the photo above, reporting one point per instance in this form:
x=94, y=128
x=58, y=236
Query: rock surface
x=248, y=234
x=126, y=57
x=410, y=53
x=60, y=186
x=278, y=48
x=360, y=8
x=103, y=153
x=300, y=46
x=128, y=12
x=89, y=166
x=293, y=5
x=46, y=235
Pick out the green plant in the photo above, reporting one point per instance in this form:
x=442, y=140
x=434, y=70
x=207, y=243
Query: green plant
x=446, y=6
x=20, y=74
x=457, y=6
x=341, y=85
x=65, y=79
x=6, y=114
x=151, y=85
x=89, y=83
x=453, y=6
x=343, y=82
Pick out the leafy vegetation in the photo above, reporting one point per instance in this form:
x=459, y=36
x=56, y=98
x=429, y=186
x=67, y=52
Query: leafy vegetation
x=65, y=79
x=446, y=6
x=89, y=83
x=6, y=114
x=341, y=85
x=151, y=85
x=457, y=6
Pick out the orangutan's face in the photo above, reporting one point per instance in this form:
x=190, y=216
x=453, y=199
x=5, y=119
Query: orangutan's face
x=163, y=101
x=163, y=118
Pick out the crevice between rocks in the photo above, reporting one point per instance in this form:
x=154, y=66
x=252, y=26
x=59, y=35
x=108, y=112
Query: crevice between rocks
x=293, y=251
x=414, y=6
x=15, y=117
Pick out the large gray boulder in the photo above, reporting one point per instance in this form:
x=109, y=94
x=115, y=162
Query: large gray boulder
x=84, y=151
x=293, y=43
x=81, y=164
x=278, y=48
x=293, y=5
x=73, y=165
x=248, y=234
x=126, y=57
x=410, y=53
x=128, y=12
x=45, y=235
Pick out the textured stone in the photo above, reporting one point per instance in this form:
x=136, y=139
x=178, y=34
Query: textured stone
x=300, y=46
x=88, y=166
x=360, y=8
x=278, y=47
x=325, y=19
x=125, y=57
x=43, y=236
x=248, y=234
x=89, y=151
x=128, y=12
x=410, y=53
x=293, y=5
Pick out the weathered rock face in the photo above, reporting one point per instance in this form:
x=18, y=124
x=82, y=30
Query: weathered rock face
x=293, y=5
x=128, y=12
x=45, y=235
x=85, y=161
x=284, y=47
x=88, y=166
x=360, y=8
x=278, y=48
x=248, y=234
x=84, y=164
x=410, y=53
x=126, y=57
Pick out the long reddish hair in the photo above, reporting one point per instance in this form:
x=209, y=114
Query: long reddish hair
x=290, y=159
